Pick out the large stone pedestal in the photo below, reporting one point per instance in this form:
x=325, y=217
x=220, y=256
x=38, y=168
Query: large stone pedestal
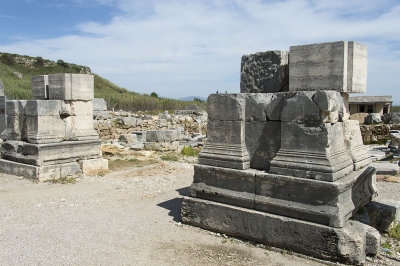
x=349, y=244
x=287, y=168
x=327, y=203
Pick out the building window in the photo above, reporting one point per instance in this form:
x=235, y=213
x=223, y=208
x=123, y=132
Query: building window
x=370, y=109
x=362, y=108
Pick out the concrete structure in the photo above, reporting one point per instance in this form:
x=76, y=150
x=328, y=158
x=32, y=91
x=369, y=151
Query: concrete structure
x=52, y=138
x=289, y=168
x=370, y=104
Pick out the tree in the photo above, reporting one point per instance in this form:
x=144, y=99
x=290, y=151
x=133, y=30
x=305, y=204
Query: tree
x=61, y=63
x=39, y=62
x=153, y=94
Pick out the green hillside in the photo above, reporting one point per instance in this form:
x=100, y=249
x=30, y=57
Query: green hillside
x=16, y=72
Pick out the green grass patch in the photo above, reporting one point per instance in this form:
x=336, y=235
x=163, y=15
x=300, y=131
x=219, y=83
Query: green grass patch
x=62, y=180
x=189, y=151
x=386, y=245
x=395, y=232
x=170, y=157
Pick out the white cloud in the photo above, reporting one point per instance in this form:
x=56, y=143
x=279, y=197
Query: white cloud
x=179, y=48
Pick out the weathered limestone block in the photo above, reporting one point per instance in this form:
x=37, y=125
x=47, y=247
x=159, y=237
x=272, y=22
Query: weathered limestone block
x=99, y=104
x=340, y=66
x=316, y=152
x=333, y=106
x=93, y=166
x=373, y=118
x=43, y=108
x=127, y=122
x=15, y=111
x=163, y=135
x=383, y=214
x=392, y=118
x=80, y=107
x=263, y=140
x=79, y=128
x=140, y=135
x=128, y=138
x=255, y=106
x=43, y=123
x=355, y=146
x=162, y=146
x=52, y=153
x=327, y=203
x=39, y=85
x=301, y=109
x=349, y=244
x=39, y=173
x=226, y=107
x=225, y=144
x=264, y=72
x=67, y=86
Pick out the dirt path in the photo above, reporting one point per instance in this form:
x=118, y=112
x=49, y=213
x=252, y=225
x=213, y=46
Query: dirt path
x=129, y=217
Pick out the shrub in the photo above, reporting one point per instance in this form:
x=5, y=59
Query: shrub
x=395, y=231
x=189, y=151
x=39, y=62
x=61, y=63
x=153, y=94
x=7, y=59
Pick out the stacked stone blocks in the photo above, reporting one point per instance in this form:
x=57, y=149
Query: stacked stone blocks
x=289, y=154
x=47, y=137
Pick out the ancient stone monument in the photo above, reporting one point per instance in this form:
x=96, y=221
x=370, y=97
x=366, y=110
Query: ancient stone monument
x=52, y=135
x=283, y=165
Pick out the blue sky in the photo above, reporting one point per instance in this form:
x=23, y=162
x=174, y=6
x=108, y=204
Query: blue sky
x=181, y=48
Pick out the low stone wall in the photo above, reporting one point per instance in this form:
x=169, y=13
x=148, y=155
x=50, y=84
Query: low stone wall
x=377, y=133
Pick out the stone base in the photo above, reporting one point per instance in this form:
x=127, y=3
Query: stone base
x=349, y=244
x=39, y=173
x=327, y=203
x=225, y=155
x=93, y=166
x=50, y=153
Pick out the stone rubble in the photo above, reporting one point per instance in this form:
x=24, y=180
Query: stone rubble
x=162, y=132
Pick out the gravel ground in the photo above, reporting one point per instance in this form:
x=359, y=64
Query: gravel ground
x=128, y=217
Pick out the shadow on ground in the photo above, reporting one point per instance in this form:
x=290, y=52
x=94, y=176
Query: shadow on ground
x=174, y=205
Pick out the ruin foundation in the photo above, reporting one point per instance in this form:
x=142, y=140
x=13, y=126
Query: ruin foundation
x=283, y=165
x=52, y=135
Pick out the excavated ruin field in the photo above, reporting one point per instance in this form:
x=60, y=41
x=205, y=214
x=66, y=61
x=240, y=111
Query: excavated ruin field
x=128, y=216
